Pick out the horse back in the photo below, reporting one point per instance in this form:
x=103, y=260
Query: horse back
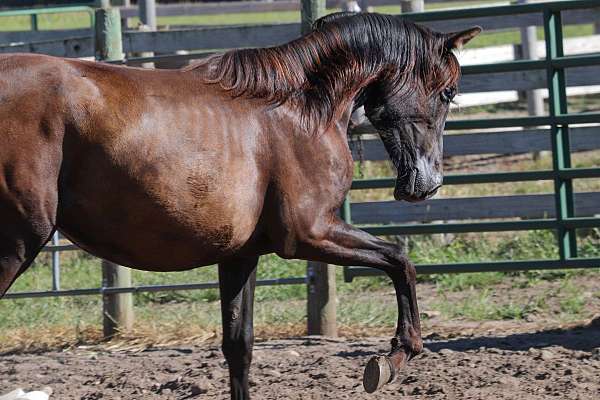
x=150, y=168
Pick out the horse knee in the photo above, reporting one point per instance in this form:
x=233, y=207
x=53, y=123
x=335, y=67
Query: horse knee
x=403, y=269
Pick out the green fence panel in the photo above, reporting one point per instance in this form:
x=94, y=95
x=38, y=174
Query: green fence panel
x=562, y=172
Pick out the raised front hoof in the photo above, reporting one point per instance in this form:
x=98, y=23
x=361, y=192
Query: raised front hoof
x=381, y=370
x=378, y=372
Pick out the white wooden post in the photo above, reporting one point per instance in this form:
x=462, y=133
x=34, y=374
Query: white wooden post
x=535, y=100
x=147, y=14
x=56, y=262
x=408, y=6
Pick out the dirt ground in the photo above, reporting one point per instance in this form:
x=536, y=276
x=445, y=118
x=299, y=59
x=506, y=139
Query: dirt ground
x=559, y=364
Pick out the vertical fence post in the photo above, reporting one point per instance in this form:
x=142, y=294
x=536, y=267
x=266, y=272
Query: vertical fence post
x=310, y=11
x=561, y=153
x=535, y=101
x=108, y=40
x=34, y=22
x=117, y=308
x=364, y=5
x=55, y=262
x=408, y=6
x=321, y=296
x=147, y=12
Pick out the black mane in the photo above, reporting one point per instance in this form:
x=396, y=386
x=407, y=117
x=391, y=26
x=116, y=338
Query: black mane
x=321, y=69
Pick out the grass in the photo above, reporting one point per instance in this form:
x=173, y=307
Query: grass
x=479, y=306
x=363, y=304
x=574, y=301
x=462, y=282
x=491, y=296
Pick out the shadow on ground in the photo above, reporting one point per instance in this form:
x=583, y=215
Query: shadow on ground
x=582, y=338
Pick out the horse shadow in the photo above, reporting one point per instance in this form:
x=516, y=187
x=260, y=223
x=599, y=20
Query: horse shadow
x=579, y=338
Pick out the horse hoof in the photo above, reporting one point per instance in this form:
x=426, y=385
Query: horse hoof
x=378, y=372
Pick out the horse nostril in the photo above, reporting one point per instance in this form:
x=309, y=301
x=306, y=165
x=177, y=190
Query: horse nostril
x=433, y=191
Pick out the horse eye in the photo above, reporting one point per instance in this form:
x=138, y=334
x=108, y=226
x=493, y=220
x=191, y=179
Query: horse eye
x=448, y=94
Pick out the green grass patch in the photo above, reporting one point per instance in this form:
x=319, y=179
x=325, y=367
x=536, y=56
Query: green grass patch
x=573, y=301
x=71, y=20
x=461, y=282
x=429, y=249
x=478, y=306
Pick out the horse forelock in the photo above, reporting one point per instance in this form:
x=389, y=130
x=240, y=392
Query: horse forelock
x=322, y=69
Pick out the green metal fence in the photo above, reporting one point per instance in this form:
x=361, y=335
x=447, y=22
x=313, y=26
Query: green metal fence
x=565, y=223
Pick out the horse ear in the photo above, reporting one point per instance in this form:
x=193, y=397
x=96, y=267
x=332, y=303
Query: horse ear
x=456, y=40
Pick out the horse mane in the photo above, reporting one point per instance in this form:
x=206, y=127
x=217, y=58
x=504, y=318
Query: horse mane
x=321, y=69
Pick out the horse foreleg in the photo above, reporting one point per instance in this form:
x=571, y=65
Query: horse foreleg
x=237, y=280
x=336, y=242
x=407, y=342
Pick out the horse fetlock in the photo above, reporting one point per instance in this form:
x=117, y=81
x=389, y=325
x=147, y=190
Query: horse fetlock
x=410, y=344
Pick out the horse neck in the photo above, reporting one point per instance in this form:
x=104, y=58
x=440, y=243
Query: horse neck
x=330, y=81
x=320, y=78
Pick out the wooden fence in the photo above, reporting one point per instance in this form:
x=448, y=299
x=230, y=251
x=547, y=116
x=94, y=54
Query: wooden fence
x=208, y=38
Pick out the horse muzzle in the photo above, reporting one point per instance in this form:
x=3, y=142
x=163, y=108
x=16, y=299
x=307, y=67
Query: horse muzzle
x=417, y=186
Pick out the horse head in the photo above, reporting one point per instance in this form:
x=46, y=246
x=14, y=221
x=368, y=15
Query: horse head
x=408, y=104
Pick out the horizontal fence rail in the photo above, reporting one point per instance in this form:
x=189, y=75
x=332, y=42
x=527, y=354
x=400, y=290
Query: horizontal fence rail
x=145, y=288
x=499, y=142
x=490, y=266
x=514, y=206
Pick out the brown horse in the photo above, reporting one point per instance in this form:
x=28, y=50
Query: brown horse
x=243, y=154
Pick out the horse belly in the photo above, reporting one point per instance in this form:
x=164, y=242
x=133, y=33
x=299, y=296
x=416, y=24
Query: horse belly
x=160, y=215
x=145, y=235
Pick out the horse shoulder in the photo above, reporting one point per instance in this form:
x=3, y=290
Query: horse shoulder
x=313, y=173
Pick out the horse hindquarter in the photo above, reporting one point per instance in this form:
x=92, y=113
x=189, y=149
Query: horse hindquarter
x=31, y=132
